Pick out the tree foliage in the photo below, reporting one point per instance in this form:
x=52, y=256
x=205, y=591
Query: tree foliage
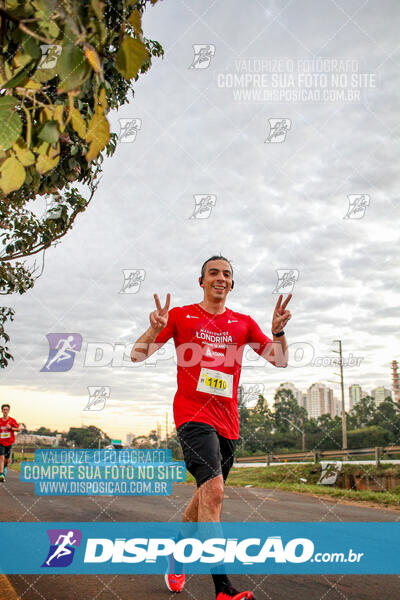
x=263, y=431
x=88, y=437
x=64, y=65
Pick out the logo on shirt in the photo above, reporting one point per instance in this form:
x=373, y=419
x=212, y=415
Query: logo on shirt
x=229, y=321
x=62, y=547
x=212, y=336
x=191, y=317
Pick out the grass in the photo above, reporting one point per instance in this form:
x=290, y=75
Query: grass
x=286, y=478
x=18, y=458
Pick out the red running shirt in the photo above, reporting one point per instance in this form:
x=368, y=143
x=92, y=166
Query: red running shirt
x=209, y=357
x=7, y=437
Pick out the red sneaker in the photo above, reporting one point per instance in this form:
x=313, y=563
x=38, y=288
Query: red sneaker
x=175, y=583
x=240, y=596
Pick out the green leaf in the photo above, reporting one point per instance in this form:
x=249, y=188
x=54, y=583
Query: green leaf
x=19, y=79
x=31, y=47
x=8, y=102
x=10, y=128
x=50, y=28
x=130, y=57
x=12, y=175
x=49, y=132
x=72, y=67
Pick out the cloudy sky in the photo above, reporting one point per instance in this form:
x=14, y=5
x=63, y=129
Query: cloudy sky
x=279, y=202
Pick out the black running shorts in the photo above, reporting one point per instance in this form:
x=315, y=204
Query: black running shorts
x=206, y=453
x=5, y=451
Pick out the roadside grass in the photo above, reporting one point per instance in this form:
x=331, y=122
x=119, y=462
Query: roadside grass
x=18, y=458
x=286, y=478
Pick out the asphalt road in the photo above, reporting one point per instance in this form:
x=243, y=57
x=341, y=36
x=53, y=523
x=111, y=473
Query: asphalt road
x=18, y=503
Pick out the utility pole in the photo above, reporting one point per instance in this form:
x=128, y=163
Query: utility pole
x=303, y=434
x=166, y=429
x=344, y=421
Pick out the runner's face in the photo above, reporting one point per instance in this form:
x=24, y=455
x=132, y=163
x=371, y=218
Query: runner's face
x=6, y=410
x=217, y=279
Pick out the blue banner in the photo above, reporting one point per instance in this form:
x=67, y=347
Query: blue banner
x=173, y=471
x=103, y=472
x=107, y=456
x=251, y=548
x=90, y=487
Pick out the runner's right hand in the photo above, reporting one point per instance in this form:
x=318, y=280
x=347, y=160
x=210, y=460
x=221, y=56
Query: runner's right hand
x=159, y=317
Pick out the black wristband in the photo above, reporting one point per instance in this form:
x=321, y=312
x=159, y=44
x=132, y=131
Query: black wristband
x=278, y=334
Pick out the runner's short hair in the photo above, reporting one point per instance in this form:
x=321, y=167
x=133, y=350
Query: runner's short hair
x=219, y=257
x=3, y=405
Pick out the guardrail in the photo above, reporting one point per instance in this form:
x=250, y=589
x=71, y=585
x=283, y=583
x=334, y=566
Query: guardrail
x=317, y=455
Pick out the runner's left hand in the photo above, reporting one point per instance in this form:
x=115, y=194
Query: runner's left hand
x=280, y=316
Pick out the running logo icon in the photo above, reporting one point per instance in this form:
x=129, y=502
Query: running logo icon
x=357, y=206
x=132, y=280
x=98, y=396
x=252, y=391
x=63, y=347
x=50, y=54
x=278, y=129
x=203, y=204
x=62, y=547
x=128, y=129
x=286, y=280
x=203, y=54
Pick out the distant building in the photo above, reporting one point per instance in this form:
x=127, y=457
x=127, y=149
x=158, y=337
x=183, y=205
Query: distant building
x=296, y=392
x=320, y=401
x=240, y=394
x=41, y=440
x=379, y=394
x=337, y=408
x=129, y=438
x=355, y=395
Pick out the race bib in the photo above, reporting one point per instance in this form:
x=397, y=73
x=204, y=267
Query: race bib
x=215, y=382
x=4, y=435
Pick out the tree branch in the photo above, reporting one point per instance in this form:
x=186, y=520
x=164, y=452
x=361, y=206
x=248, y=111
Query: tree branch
x=42, y=246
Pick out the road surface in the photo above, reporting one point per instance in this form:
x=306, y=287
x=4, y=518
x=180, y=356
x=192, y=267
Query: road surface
x=18, y=503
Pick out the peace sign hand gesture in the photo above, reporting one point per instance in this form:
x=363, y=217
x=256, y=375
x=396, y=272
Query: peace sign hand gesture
x=159, y=317
x=280, y=316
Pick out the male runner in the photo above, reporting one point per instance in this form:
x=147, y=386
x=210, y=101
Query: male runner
x=210, y=340
x=8, y=426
